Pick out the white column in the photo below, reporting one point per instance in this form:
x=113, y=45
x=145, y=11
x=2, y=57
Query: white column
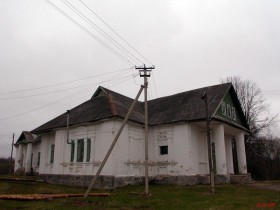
x=28, y=158
x=229, y=155
x=220, y=149
x=17, y=163
x=20, y=155
x=241, y=154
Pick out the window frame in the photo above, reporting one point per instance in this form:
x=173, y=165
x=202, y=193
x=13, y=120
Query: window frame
x=233, y=113
x=72, y=152
x=228, y=110
x=163, y=150
x=80, y=150
x=52, y=153
x=88, y=142
x=224, y=109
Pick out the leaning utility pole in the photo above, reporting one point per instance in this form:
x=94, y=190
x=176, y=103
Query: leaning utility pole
x=145, y=72
x=210, y=159
x=113, y=143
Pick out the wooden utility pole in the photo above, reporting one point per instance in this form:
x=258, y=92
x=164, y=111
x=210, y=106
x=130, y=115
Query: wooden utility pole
x=210, y=161
x=145, y=72
x=11, y=158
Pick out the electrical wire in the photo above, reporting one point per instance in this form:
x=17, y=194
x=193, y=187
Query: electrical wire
x=102, y=32
x=64, y=83
x=115, y=32
x=62, y=90
x=88, y=32
x=54, y=103
x=122, y=81
x=153, y=77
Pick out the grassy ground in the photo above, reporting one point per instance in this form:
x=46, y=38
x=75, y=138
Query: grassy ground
x=163, y=197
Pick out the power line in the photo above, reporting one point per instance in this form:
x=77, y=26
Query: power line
x=102, y=32
x=155, y=85
x=122, y=79
x=57, y=91
x=67, y=82
x=91, y=34
x=115, y=31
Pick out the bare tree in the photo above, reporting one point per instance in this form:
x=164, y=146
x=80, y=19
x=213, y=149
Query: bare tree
x=253, y=104
x=262, y=153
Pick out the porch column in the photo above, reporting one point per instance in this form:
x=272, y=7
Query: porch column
x=228, y=141
x=16, y=166
x=28, y=158
x=19, y=156
x=241, y=154
x=220, y=149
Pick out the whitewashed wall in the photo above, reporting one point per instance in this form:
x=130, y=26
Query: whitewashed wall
x=187, y=154
x=187, y=150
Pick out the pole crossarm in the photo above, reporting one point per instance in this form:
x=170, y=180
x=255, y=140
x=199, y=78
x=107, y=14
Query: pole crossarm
x=145, y=71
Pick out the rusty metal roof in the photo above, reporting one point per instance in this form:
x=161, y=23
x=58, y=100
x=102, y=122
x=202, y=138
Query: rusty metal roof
x=104, y=104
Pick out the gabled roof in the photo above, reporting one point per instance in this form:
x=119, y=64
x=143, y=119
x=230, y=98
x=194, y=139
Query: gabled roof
x=27, y=137
x=186, y=106
x=104, y=104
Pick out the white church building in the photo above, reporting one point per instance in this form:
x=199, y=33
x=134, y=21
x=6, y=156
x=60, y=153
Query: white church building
x=177, y=140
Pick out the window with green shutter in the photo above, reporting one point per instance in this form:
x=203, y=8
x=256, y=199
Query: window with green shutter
x=72, y=151
x=88, y=149
x=52, y=153
x=80, y=150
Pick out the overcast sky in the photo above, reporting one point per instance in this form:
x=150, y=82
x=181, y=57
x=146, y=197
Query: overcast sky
x=192, y=43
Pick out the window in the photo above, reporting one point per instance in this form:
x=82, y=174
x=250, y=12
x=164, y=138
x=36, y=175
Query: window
x=72, y=151
x=233, y=113
x=224, y=111
x=163, y=150
x=80, y=150
x=228, y=110
x=88, y=149
x=38, y=160
x=52, y=153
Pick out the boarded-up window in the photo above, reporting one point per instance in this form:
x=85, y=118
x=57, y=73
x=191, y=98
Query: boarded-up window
x=88, y=149
x=163, y=150
x=52, y=153
x=80, y=150
x=72, y=151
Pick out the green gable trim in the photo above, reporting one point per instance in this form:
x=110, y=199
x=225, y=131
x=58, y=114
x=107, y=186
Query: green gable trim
x=228, y=110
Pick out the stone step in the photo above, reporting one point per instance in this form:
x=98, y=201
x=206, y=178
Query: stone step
x=241, y=179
